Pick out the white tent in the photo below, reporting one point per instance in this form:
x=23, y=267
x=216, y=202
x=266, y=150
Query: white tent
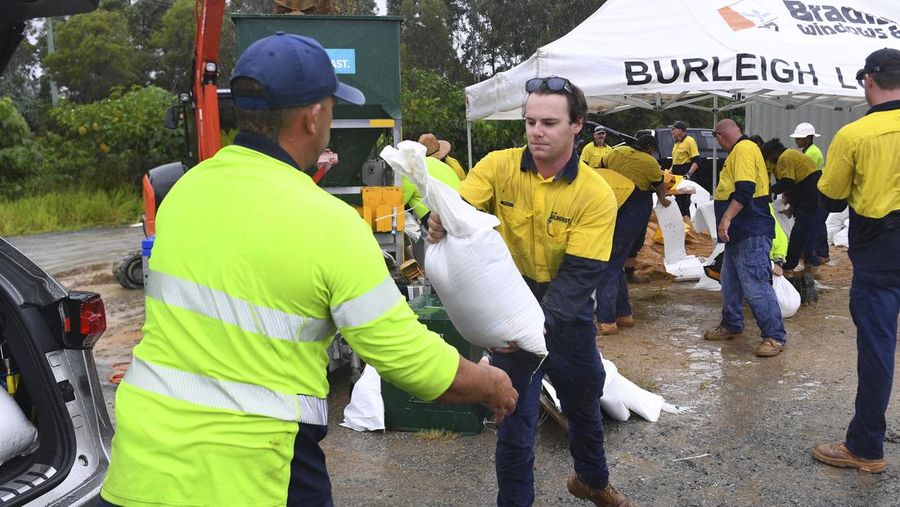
x=660, y=54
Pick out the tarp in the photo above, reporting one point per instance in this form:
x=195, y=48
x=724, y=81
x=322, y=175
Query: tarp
x=659, y=54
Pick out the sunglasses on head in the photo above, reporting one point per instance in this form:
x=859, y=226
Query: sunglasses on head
x=552, y=83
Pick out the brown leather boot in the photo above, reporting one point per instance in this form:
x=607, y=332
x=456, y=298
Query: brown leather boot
x=626, y=321
x=604, y=329
x=720, y=333
x=837, y=455
x=606, y=497
x=768, y=348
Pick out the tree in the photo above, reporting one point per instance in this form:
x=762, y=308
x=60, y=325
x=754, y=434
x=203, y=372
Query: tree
x=94, y=53
x=17, y=152
x=173, y=42
x=356, y=7
x=427, y=41
x=144, y=19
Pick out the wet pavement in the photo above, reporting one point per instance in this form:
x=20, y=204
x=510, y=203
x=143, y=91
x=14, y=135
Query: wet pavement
x=58, y=251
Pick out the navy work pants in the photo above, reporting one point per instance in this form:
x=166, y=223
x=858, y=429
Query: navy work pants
x=874, y=305
x=577, y=374
x=612, y=293
x=806, y=237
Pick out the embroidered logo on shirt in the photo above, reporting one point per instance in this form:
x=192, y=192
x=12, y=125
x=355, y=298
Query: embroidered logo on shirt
x=559, y=218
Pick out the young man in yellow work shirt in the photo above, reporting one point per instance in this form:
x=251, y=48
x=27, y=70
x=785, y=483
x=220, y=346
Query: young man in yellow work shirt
x=746, y=226
x=863, y=171
x=557, y=217
x=685, y=161
x=593, y=153
x=638, y=165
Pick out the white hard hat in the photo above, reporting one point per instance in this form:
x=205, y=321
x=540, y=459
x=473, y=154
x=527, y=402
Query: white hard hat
x=804, y=130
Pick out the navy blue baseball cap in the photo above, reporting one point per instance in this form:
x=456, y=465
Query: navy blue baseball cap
x=294, y=70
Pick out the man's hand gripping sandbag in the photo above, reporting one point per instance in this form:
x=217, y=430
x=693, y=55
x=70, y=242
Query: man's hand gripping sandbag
x=471, y=269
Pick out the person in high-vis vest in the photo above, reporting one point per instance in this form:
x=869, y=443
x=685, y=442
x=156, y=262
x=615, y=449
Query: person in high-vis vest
x=637, y=164
x=557, y=216
x=593, y=153
x=796, y=177
x=746, y=226
x=863, y=171
x=254, y=268
x=804, y=137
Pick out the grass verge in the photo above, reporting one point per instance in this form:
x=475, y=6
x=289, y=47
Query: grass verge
x=70, y=210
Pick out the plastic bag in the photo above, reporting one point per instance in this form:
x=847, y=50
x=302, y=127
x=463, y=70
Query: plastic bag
x=835, y=223
x=622, y=396
x=787, y=296
x=471, y=269
x=17, y=435
x=366, y=409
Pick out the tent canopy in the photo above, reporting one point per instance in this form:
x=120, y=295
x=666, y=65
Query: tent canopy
x=659, y=54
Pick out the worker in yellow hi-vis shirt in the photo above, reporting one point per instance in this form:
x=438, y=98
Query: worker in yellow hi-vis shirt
x=593, y=153
x=557, y=216
x=254, y=269
x=746, y=226
x=863, y=171
x=685, y=161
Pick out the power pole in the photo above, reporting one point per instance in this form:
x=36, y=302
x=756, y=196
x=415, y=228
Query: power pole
x=54, y=91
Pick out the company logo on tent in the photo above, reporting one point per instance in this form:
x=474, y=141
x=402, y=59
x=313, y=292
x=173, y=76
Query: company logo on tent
x=745, y=14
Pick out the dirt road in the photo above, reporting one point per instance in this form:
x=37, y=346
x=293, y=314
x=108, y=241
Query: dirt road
x=745, y=443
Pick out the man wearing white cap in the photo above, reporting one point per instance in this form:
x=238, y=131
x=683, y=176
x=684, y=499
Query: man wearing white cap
x=803, y=135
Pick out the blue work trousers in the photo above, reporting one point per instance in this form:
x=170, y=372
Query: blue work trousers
x=646, y=199
x=577, y=374
x=874, y=305
x=746, y=272
x=612, y=293
x=806, y=237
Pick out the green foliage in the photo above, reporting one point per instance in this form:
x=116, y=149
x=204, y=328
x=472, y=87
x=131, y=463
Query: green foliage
x=18, y=153
x=94, y=53
x=112, y=142
x=434, y=103
x=69, y=210
x=174, y=42
x=427, y=40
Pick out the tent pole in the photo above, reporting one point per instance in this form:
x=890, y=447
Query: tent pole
x=469, y=142
x=715, y=161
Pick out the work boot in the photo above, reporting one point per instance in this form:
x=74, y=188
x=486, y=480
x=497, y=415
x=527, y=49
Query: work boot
x=607, y=496
x=837, y=455
x=812, y=271
x=604, y=329
x=720, y=333
x=626, y=321
x=769, y=348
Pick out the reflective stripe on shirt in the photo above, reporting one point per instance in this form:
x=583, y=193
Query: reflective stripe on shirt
x=252, y=318
x=367, y=307
x=226, y=395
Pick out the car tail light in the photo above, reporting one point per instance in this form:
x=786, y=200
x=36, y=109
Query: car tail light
x=85, y=319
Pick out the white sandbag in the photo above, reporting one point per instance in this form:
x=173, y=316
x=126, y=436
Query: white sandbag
x=672, y=226
x=471, y=269
x=366, y=409
x=704, y=220
x=699, y=195
x=17, y=435
x=786, y=223
x=835, y=223
x=621, y=397
x=842, y=237
x=412, y=228
x=787, y=296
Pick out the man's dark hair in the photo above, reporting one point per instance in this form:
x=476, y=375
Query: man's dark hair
x=772, y=150
x=646, y=142
x=887, y=80
x=575, y=98
x=265, y=122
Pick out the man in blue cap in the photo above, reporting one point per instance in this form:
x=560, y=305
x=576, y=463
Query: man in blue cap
x=254, y=268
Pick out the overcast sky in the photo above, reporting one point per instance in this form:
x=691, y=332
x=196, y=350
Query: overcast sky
x=382, y=6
